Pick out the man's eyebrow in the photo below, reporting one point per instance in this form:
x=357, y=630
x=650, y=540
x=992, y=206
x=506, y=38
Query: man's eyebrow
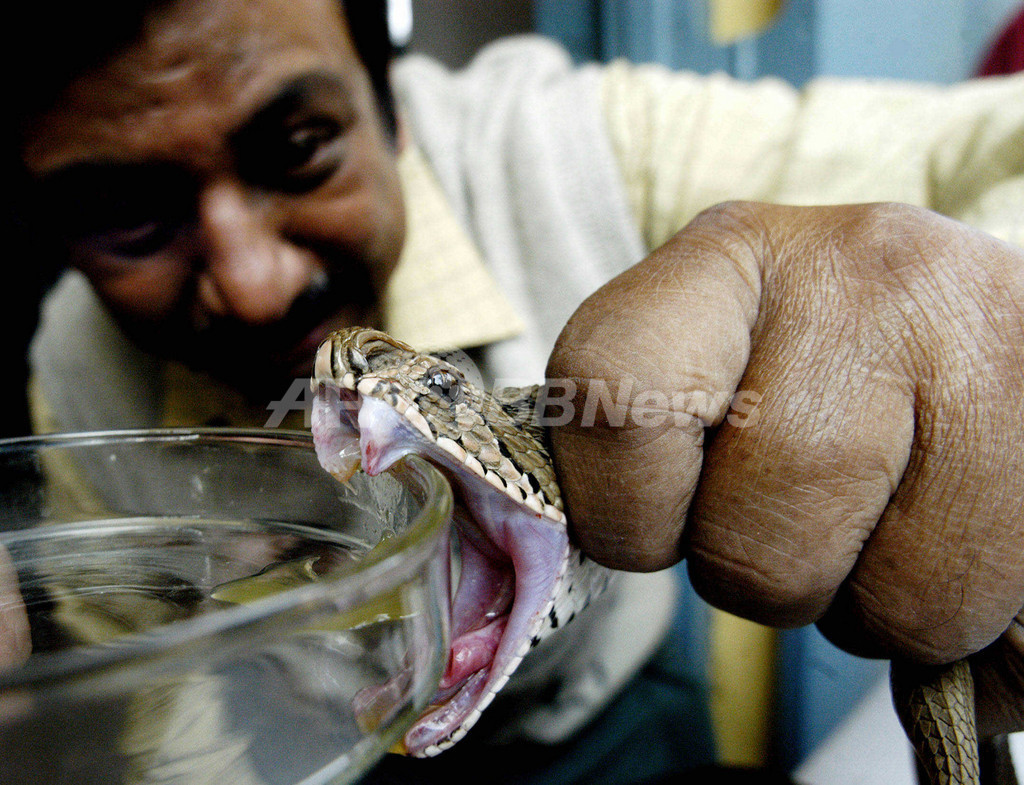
x=83, y=193
x=310, y=88
x=119, y=176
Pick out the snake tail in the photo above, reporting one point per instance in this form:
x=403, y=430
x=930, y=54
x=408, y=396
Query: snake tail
x=936, y=707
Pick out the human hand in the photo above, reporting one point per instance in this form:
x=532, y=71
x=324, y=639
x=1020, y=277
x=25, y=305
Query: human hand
x=867, y=474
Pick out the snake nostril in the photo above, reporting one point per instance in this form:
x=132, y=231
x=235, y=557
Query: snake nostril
x=357, y=360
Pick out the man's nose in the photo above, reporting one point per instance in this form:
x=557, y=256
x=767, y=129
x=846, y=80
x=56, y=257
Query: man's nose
x=249, y=270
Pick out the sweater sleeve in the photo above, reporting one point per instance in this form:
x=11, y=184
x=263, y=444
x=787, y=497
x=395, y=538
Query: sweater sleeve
x=685, y=142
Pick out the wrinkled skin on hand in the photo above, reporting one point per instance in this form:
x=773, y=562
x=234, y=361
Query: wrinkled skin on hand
x=877, y=488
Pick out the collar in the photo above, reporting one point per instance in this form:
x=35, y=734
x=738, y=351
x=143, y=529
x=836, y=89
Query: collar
x=441, y=295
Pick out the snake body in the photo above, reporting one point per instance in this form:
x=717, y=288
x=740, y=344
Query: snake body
x=522, y=578
x=936, y=708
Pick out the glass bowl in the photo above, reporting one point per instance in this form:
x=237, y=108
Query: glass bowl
x=210, y=606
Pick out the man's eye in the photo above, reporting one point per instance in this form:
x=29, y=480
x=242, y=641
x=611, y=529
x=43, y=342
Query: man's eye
x=295, y=159
x=308, y=143
x=112, y=230
x=125, y=210
x=134, y=242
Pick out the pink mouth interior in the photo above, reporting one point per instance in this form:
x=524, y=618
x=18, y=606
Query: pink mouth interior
x=479, y=613
x=510, y=562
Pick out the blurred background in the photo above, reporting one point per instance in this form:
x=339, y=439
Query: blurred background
x=929, y=40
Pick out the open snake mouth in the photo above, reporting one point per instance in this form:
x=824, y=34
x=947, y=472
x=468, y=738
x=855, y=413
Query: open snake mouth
x=510, y=557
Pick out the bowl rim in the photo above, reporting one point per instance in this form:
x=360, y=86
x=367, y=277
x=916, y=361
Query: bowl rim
x=384, y=566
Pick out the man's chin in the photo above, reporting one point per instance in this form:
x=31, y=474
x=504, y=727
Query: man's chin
x=258, y=380
x=273, y=383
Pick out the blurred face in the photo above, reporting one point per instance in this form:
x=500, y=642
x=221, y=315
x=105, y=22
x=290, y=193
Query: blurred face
x=226, y=185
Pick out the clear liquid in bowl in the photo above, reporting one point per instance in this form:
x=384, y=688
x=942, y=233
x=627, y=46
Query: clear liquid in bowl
x=90, y=583
x=272, y=701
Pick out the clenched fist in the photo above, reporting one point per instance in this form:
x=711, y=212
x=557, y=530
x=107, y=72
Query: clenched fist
x=822, y=410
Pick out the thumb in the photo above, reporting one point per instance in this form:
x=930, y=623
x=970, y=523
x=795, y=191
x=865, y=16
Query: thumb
x=646, y=363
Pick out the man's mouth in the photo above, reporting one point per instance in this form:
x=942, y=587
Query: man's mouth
x=255, y=358
x=342, y=298
x=299, y=358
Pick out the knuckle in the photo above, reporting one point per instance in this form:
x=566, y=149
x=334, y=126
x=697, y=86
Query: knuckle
x=758, y=580
x=781, y=515
x=734, y=212
x=735, y=230
x=913, y=594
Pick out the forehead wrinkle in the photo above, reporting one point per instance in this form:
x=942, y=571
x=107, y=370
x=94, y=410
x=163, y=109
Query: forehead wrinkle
x=223, y=58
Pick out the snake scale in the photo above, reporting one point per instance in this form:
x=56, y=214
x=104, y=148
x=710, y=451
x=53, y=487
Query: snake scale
x=521, y=577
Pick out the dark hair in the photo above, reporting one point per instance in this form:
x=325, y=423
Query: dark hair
x=62, y=39
x=368, y=23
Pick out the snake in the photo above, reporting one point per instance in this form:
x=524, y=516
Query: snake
x=521, y=577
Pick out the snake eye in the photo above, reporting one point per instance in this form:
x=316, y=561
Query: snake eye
x=444, y=384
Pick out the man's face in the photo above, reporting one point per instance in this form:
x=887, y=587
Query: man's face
x=226, y=185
